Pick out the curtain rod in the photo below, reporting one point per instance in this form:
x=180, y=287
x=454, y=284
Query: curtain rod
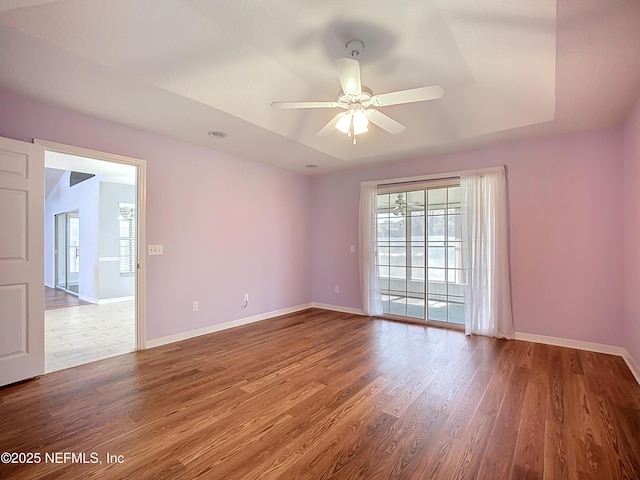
x=390, y=182
x=413, y=182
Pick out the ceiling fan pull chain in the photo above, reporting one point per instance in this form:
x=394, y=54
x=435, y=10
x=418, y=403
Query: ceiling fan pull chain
x=353, y=130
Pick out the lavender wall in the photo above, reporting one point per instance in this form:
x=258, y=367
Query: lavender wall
x=229, y=226
x=565, y=223
x=631, y=144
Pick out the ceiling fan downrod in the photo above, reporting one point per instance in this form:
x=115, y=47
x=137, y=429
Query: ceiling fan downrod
x=354, y=48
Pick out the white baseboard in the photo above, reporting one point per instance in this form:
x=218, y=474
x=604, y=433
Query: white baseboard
x=107, y=300
x=633, y=366
x=116, y=300
x=337, y=308
x=156, y=342
x=577, y=344
x=590, y=346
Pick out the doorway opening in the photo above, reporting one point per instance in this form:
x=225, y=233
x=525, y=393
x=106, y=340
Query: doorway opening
x=94, y=224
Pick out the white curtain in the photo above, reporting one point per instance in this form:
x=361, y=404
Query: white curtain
x=369, y=283
x=485, y=255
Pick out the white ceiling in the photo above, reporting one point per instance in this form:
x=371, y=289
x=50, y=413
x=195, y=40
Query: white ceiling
x=180, y=68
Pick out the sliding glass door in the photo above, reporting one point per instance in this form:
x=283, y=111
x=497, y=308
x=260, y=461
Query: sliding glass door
x=418, y=251
x=400, y=248
x=447, y=279
x=67, y=251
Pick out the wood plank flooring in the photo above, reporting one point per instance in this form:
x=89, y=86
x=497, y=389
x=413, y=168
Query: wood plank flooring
x=55, y=298
x=324, y=395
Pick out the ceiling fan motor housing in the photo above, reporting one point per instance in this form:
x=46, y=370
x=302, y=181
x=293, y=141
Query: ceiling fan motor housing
x=364, y=99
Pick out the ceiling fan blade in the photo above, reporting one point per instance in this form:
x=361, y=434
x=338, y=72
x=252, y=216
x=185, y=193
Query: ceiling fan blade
x=408, y=96
x=349, y=73
x=384, y=122
x=283, y=105
x=331, y=126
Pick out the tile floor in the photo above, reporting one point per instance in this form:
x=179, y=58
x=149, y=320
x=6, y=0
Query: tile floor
x=83, y=334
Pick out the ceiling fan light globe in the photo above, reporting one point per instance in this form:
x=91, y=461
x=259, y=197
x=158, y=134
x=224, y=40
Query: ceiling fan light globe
x=344, y=124
x=360, y=122
x=360, y=129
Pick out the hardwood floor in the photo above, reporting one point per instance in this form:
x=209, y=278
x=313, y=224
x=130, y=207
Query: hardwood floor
x=324, y=395
x=55, y=298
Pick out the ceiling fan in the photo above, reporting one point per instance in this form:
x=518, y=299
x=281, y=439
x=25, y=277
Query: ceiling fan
x=401, y=205
x=357, y=100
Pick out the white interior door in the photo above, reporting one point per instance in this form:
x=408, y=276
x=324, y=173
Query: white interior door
x=21, y=261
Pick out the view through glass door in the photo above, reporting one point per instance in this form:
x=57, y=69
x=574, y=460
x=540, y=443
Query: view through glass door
x=68, y=251
x=418, y=248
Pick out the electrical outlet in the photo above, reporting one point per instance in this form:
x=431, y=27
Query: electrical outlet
x=352, y=249
x=195, y=306
x=337, y=288
x=246, y=298
x=155, y=250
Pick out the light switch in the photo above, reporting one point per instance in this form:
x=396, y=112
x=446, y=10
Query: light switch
x=155, y=250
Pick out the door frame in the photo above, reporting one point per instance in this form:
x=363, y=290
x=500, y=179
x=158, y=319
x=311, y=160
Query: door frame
x=141, y=214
